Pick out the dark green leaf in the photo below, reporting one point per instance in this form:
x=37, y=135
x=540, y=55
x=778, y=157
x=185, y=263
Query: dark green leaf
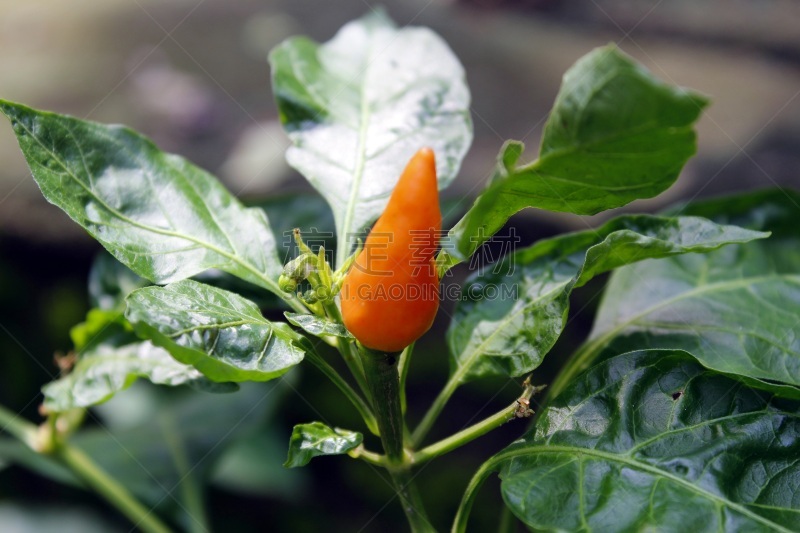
x=515, y=311
x=318, y=326
x=257, y=295
x=359, y=106
x=157, y=213
x=314, y=439
x=616, y=134
x=737, y=309
x=652, y=440
x=218, y=332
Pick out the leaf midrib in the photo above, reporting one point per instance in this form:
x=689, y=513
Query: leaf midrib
x=358, y=173
x=268, y=282
x=572, y=450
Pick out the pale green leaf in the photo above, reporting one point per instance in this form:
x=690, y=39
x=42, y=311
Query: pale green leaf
x=109, y=358
x=359, y=106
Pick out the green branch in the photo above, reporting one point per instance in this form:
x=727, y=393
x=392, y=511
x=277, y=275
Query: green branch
x=380, y=369
x=40, y=440
x=462, y=516
x=520, y=408
x=110, y=489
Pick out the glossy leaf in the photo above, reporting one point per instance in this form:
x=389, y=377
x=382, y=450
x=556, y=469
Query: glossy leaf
x=110, y=358
x=616, y=134
x=318, y=326
x=218, y=332
x=157, y=213
x=516, y=311
x=112, y=365
x=110, y=282
x=359, y=106
x=652, y=440
x=314, y=439
x=737, y=309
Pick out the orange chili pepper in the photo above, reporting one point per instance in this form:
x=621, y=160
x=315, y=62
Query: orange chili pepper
x=391, y=293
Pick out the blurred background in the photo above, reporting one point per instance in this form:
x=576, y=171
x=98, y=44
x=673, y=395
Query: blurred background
x=192, y=74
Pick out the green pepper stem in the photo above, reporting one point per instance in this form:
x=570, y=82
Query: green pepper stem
x=519, y=408
x=576, y=364
x=384, y=385
x=110, y=489
x=370, y=457
x=411, y=501
x=85, y=469
x=462, y=515
x=380, y=369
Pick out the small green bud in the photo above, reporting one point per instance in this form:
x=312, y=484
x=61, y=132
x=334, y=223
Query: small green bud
x=323, y=293
x=287, y=284
x=299, y=267
x=310, y=296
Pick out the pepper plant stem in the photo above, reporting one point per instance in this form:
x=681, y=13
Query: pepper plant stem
x=84, y=468
x=384, y=385
x=380, y=369
x=411, y=501
x=576, y=364
x=110, y=489
x=476, y=430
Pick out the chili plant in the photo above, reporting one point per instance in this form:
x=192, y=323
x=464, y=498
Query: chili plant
x=679, y=411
